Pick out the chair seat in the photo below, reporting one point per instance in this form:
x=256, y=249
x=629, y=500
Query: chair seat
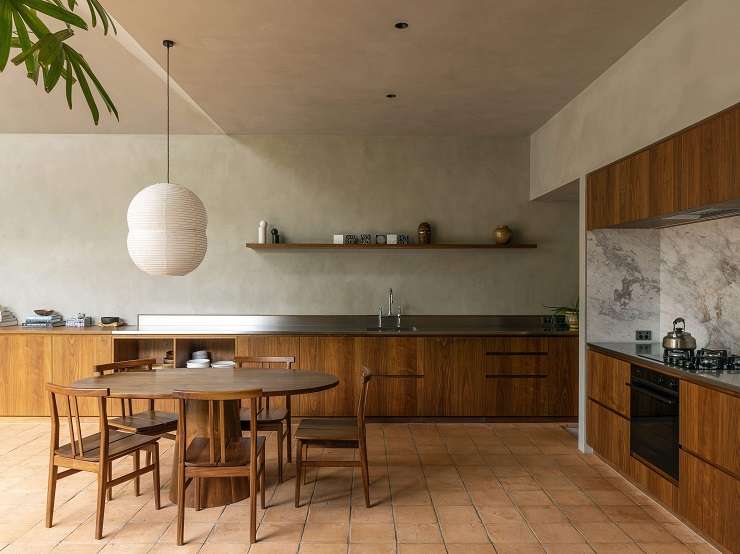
x=334, y=430
x=271, y=415
x=119, y=444
x=237, y=452
x=149, y=422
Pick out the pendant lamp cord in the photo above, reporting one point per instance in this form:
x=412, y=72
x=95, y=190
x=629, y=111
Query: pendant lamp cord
x=168, y=44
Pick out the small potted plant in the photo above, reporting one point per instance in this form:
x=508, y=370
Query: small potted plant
x=570, y=313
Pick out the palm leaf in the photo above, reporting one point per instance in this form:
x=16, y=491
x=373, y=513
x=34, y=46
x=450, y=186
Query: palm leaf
x=70, y=81
x=24, y=43
x=105, y=18
x=77, y=57
x=37, y=26
x=6, y=31
x=47, y=46
x=51, y=77
x=56, y=12
x=82, y=80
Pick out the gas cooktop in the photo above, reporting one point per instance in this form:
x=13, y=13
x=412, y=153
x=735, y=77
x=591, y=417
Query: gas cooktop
x=700, y=361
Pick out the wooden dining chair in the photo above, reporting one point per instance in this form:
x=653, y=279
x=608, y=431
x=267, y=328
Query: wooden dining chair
x=269, y=417
x=217, y=454
x=149, y=422
x=93, y=453
x=335, y=433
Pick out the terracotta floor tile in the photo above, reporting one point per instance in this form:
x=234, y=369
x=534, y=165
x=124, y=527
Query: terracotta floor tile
x=457, y=514
x=470, y=549
x=663, y=548
x=570, y=498
x=495, y=514
x=372, y=533
x=228, y=533
x=647, y=532
x=543, y=514
x=602, y=532
x=372, y=548
x=210, y=548
x=616, y=548
x=414, y=514
x=472, y=532
x=421, y=549
x=510, y=548
x=530, y=498
x=325, y=532
x=273, y=548
x=418, y=533
x=610, y=498
x=510, y=533
x=557, y=533
x=585, y=514
x=566, y=548
x=323, y=548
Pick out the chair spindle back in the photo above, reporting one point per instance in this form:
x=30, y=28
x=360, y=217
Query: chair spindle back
x=67, y=397
x=143, y=364
x=264, y=362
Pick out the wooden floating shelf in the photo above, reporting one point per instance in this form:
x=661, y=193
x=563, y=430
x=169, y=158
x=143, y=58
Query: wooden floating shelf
x=438, y=246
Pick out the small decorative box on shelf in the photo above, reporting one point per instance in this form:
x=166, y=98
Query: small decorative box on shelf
x=433, y=246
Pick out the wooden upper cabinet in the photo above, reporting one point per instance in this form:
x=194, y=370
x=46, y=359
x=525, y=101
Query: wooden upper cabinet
x=606, y=382
x=697, y=167
x=602, y=200
x=25, y=367
x=454, y=376
x=631, y=178
x=708, y=158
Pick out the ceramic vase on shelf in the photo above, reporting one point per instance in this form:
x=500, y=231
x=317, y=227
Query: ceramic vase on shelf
x=425, y=233
x=502, y=234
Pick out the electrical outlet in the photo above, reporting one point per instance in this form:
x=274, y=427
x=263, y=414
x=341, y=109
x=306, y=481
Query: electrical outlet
x=643, y=335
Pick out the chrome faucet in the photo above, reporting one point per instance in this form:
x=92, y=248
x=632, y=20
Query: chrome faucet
x=390, y=302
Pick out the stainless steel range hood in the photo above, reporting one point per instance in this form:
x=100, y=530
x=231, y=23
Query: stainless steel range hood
x=717, y=211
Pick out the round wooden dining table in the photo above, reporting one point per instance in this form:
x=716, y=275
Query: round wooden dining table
x=161, y=384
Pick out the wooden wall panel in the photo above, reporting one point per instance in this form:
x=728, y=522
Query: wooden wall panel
x=607, y=380
x=710, y=425
x=396, y=389
x=73, y=358
x=609, y=435
x=710, y=500
x=25, y=367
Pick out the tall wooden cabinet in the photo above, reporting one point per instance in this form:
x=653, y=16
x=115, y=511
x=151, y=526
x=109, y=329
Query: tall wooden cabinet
x=25, y=367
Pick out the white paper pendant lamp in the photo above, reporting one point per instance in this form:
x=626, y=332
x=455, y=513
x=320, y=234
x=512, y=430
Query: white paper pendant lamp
x=167, y=230
x=167, y=222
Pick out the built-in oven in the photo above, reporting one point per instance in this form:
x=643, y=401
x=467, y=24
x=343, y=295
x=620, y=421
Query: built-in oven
x=654, y=419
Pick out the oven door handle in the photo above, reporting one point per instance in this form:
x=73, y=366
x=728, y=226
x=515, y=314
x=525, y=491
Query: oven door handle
x=651, y=394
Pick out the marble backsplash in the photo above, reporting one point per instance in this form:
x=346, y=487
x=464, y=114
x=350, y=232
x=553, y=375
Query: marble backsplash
x=643, y=279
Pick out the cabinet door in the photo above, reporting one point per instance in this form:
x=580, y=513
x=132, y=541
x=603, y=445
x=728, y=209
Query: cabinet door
x=710, y=425
x=454, y=376
x=631, y=177
x=602, y=200
x=73, y=358
x=607, y=382
x=272, y=345
x=609, y=435
x=664, y=196
x=708, y=162
x=333, y=355
x=396, y=388
x=710, y=500
x=25, y=367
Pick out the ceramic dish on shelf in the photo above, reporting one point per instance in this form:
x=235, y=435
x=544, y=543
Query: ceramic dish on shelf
x=201, y=355
x=195, y=364
x=226, y=364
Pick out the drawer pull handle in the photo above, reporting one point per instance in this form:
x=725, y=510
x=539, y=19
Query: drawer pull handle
x=516, y=353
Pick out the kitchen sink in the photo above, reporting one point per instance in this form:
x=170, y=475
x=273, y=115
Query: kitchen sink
x=408, y=328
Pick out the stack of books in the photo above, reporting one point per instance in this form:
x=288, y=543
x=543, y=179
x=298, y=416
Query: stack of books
x=53, y=320
x=7, y=318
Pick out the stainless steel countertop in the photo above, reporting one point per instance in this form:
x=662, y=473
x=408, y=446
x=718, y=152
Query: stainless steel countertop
x=361, y=326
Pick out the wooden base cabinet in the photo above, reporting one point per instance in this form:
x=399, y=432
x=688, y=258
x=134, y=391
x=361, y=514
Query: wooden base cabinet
x=608, y=433
x=709, y=499
x=74, y=357
x=25, y=367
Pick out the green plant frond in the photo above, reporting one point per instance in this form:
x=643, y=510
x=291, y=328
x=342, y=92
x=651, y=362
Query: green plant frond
x=51, y=77
x=86, y=92
x=35, y=24
x=70, y=81
x=77, y=58
x=24, y=43
x=48, y=47
x=55, y=11
x=6, y=31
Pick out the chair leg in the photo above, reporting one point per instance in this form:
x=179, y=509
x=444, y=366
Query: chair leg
x=262, y=479
x=197, y=493
x=298, y=476
x=155, y=474
x=103, y=478
x=252, y=502
x=137, y=481
x=279, y=438
x=51, y=493
x=305, y=471
x=289, y=432
x=365, y=476
x=109, y=492
x=180, y=505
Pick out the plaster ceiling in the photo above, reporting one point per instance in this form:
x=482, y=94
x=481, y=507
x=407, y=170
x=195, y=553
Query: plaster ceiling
x=325, y=66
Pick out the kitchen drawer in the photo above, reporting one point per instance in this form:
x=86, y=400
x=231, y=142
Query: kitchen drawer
x=609, y=435
x=710, y=500
x=710, y=426
x=653, y=483
x=607, y=382
x=517, y=356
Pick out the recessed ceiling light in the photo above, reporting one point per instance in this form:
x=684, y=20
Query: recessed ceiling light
x=401, y=25
x=391, y=95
